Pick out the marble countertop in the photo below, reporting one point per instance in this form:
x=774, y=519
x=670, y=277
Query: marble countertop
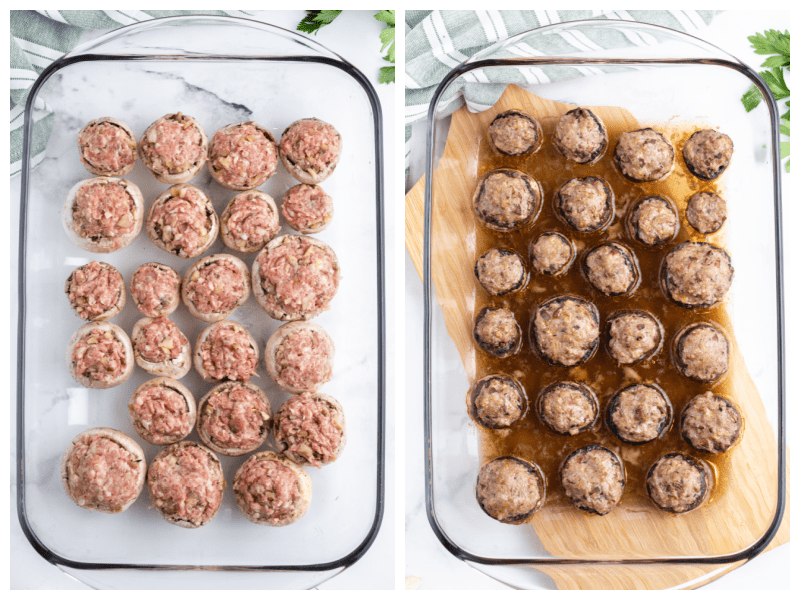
x=376, y=569
x=425, y=557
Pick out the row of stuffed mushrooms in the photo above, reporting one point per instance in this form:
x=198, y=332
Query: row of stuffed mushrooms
x=240, y=156
x=105, y=214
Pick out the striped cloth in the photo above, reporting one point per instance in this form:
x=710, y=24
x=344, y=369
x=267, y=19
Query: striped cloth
x=39, y=37
x=437, y=41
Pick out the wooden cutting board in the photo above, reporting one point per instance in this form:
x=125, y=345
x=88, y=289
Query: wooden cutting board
x=730, y=522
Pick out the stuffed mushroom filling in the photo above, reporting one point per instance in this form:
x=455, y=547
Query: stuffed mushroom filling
x=243, y=156
x=103, y=210
x=154, y=289
x=94, y=289
x=307, y=207
x=235, y=417
x=216, y=287
x=251, y=222
x=107, y=147
x=298, y=276
x=173, y=145
x=269, y=488
x=101, y=472
x=186, y=485
x=228, y=353
x=99, y=356
x=311, y=145
x=303, y=360
x=310, y=428
x=183, y=222
x=163, y=412
x=160, y=341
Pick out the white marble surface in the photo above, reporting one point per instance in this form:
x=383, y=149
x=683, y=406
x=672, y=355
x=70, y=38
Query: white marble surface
x=425, y=556
x=220, y=103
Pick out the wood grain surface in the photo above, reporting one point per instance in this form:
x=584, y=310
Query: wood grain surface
x=732, y=521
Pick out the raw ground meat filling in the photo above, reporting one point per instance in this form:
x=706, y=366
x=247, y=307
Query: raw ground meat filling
x=303, y=360
x=153, y=289
x=183, y=221
x=100, y=356
x=161, y=341
x=269, y=488
x=235, y=418
x=103, y=210
x=94, y=289
x=173, y=146
x=307, y=207
x=252, y=222
x=102, y=472
x=185, y=485
x=216, y=287
x=107, y=147
x=163, y=412
x=309, y=428
x=243, y=156
x=227, y=353
x=303, y=276
x=311, y=145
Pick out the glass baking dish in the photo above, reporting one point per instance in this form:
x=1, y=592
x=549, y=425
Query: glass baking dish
x=652, y=81
x=219, y=70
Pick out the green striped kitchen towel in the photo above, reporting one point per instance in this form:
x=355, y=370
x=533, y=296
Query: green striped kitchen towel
x=437, y=41
x=39, y=37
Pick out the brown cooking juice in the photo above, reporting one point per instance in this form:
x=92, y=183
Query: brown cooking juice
x=530, y=438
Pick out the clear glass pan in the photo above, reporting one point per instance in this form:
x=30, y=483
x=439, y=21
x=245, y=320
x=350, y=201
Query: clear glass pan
x=655, y=83
x=220, y=71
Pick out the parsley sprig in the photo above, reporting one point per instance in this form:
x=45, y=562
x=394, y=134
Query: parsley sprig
x=776, y=45
x=317, y=19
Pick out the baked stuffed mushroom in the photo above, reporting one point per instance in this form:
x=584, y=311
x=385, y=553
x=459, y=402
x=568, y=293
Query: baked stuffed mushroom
x=95, y=291
x=701, y=352
x=99, y=355
x=215, y=286
x=707, y=154
x=174, y=148
x=497, y=332
x=182, y=221
x=585, y=204
x=234, y=418
x=696, y=274
x=639, y=413
x=242, y=156
x=567, y=407
x=272, y=490
x=611, y=269
x=160, y=348
x=299, y=357
x=565, y=330
x=644, y=155
x=103, y=214
x=711, y=423
x=249, y=221
x=310, y=149
x=310, y=429
x=706, y=212
x=652, y=221
x=497, y=402
x=581, y=136
x=307, y=208
x=225, y=351
x=593, y=478
x=510, y=489
x=501, y=271
x=514, y=133
x=155, y=289
x=295, y=277
x=107, y=147
x=162, y=411
x=552, y=253
x=633, y=336
x=103, y=469
x=678, y=483
x=185, y=481
x=507, y=200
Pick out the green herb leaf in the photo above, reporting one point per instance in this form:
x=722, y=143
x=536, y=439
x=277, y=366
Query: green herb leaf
x=771, y=42
x=387, y=75
x=387, y=16
x=776, y=61
x=785, y=116
x=785, y=127
x=316, y=19
x=751, y=98
x=387, y=37
x=776, y=83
